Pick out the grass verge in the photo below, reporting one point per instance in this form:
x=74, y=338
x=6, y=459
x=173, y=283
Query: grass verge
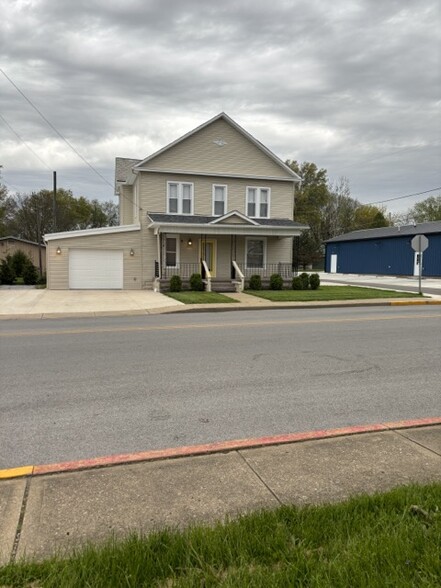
x=390, y=539
x=200, y=297
x=328, y=293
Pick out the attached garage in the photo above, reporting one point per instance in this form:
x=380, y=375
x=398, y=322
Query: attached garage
x=96, y=269
x=105, y=258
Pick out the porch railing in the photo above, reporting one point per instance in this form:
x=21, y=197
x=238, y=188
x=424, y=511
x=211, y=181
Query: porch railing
x=184, y=270
x=284, y=269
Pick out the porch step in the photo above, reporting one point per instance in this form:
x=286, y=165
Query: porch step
x=222, y=286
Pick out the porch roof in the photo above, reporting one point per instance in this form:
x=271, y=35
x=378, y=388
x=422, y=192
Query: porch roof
x=213, y=225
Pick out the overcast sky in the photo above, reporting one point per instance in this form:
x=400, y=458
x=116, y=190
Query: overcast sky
x=354, y=86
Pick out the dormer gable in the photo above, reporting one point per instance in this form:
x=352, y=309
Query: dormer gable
x=218, y=147
x=233, y=217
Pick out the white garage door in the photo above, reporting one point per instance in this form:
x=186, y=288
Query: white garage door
x=95, y=269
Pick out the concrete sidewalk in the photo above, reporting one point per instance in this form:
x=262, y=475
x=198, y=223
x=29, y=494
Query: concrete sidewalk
x=41, y=304
x=43, y=514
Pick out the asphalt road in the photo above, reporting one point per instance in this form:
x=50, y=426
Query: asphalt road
x=81, y=388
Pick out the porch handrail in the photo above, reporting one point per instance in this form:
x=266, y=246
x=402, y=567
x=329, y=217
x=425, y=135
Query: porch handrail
x=207, y=275
x=240, y=275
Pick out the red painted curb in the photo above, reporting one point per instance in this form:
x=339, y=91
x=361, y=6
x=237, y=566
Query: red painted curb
x=225, y=446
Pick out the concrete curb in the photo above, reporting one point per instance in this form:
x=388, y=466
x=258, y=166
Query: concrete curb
x=210, y=448
x=221, y=308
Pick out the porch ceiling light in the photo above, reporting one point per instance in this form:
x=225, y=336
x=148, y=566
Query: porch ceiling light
x=132, y=253
x=58, y=250
x=189, y=242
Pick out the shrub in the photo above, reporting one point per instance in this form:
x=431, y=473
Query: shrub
x=305, y=280
x=30, y=274
x=255, y=282
x=7, y=274
x=175, y=284
x=19, y=261
x=314, y=281
x=42, y=280
x=297, y=283
x=276, y=282
x=196, y=282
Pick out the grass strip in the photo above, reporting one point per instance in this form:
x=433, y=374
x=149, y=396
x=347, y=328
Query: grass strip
x=200, y=297
x=328, y=293
x=390, y=539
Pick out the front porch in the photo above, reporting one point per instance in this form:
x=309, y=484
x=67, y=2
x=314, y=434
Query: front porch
x=226, y=254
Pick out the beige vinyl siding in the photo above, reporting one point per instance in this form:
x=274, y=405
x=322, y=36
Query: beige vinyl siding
x=153, y=193
x=126, y=205
x=58, y=264
x=199, y=153
x=278, y=250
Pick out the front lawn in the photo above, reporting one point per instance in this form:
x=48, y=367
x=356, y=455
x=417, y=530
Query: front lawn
x=390, y=539
x=328, y=293
x=190, y=297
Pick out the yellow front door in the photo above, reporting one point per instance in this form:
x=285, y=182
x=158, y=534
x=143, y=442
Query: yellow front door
x=207, y=250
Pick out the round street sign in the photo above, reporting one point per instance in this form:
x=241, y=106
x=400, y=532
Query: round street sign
x=420, y=243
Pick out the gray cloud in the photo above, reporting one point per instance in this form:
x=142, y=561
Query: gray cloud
x=354, y=86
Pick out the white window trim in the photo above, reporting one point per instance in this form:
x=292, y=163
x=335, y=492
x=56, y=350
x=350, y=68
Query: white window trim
x=180, y=184
x=258, y=188
x=257, y=238
x=213, y=191
x=178, y=249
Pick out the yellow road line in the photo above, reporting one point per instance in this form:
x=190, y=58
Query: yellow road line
x=235, y=325
x=16, y=472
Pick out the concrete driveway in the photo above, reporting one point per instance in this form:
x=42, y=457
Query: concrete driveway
x=24, y=302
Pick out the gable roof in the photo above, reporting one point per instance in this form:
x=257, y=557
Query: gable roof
x=195, y=219
x=223, y=116
x=10, y=238
x=237, y=214
x=387, y=232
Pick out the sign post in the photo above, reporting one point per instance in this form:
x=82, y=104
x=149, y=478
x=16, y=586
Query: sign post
x=419, y=244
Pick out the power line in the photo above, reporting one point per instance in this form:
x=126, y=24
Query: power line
x=56, y=130
x=23, y=141
x=406, y=196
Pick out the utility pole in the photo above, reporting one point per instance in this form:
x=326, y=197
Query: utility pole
x=55, y=202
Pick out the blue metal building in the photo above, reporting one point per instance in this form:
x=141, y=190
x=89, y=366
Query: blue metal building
x=385, y=251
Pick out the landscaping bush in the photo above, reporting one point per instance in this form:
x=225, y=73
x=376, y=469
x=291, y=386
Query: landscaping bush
x=314, y=281
x=297, y=283
x=42, y=280
x=175, y=284
x=19, y=261
x=196, y=282
x=30, y=274
x=305, y=280
x=255, y=282
x=276, y=282
x=7, y=274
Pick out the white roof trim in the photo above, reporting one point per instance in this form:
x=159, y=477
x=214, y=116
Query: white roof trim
x=241, y=130
x=249, y=221
x=90, y=232
x=211, y=174
x=209, y=229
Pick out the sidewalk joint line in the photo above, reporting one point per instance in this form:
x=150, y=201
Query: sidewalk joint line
x=399, y=432
x=20, y=520
x=259, y=477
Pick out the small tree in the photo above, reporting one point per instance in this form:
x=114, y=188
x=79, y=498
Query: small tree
x=7, y=274
x=19, y=261
x=196, y=282
x=30, y=274
x=276, y=282
x=255, y=282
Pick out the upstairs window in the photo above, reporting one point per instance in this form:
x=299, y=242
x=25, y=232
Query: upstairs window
x=219, y=200
x=258, y=202
x=179, y=198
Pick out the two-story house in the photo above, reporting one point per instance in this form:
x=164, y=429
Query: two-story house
x=215, y=202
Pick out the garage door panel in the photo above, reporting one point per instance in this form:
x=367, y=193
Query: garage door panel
x=96, y=269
